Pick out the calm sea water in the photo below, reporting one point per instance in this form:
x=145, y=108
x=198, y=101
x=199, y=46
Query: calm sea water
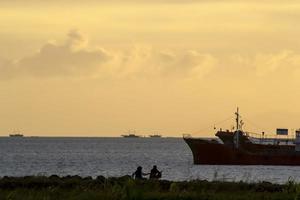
x=121, y=156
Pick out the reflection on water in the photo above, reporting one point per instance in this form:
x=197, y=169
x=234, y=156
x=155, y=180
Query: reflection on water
x=121, y=156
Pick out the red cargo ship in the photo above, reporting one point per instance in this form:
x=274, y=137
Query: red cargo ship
x=239, y=148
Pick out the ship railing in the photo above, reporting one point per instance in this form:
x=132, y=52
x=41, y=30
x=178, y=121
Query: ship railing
x=270, y=139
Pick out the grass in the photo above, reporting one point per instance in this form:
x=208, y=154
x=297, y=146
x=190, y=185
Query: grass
x=125, y=188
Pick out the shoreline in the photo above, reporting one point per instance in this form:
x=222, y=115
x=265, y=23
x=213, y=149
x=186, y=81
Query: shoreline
x=115, y=188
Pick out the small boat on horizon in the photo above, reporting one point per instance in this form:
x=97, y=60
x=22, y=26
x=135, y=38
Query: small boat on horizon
x=155, y=136
x=18, y=135
x=131, y=136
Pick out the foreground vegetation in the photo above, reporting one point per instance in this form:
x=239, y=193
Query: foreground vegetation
x=123, y=188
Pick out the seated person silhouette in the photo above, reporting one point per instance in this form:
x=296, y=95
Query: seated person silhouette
x=155, y=174
x=138, y=174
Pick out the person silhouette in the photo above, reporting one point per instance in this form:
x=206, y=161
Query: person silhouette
x=138, y=174
x=154, y=173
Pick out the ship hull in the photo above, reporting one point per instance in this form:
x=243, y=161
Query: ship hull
x=214, y=153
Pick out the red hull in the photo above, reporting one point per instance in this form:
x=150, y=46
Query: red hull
x=213, y=153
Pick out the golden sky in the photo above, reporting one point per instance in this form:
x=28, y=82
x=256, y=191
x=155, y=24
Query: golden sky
x=99, y=68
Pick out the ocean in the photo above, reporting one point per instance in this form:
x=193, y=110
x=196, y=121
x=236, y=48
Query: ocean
x=121, y=156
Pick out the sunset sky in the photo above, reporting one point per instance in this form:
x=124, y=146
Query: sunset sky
x=101, y=67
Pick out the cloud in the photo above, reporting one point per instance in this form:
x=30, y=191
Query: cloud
x=189, y=64
x=199, y=65
x=76, y=40
x=284, y=62
x=7, y=69
x=72, y=58
x=76, y=58
x=148, y=62
x=55, y=60
x=279, y=64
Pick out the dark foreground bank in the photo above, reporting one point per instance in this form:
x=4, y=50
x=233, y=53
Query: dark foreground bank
x=75, y=187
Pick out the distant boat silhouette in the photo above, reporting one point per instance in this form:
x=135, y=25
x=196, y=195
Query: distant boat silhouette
x=131, y=135
x=155, y=136
x=16, y=135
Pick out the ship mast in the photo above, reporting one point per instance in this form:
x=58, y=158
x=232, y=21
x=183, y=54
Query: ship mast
x=237, y=119
x=237, y=132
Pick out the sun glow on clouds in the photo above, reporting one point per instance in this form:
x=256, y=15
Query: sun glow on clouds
x=75, y=58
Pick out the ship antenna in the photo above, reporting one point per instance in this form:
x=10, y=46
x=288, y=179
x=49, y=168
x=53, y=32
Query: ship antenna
x=237, y=119
x=237, y=127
